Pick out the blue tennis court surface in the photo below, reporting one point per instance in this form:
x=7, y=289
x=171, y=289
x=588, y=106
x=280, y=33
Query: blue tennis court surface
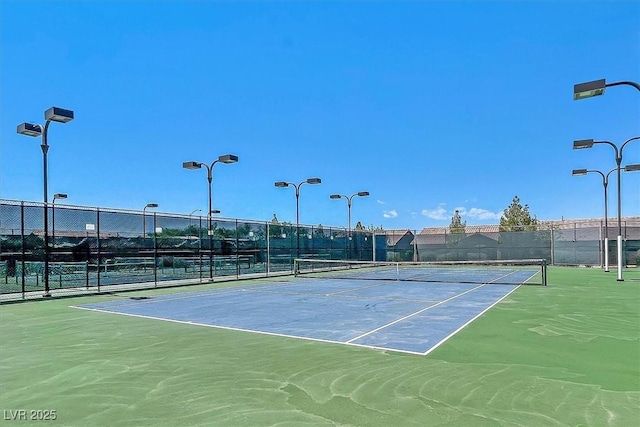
x=413, y=317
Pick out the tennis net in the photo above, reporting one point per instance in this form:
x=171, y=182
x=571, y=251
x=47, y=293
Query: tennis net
x=512, y=272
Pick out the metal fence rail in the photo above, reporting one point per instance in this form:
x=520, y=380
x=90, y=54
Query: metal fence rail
x=93, y=249
x=579, y=242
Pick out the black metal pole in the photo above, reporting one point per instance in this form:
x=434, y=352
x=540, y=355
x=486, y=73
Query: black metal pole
x=53, y=223
x=209, y=231
x=634, y=84
x=297, y=220
x=619, y=245
x=23, y=250
x=98, y=253
x=155, y=252
x=606, y=224
x=45, y=151
x=349, y=223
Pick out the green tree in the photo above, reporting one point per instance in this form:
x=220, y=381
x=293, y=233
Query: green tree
x=457, y=225
x=173, y=232
x=319, y=231
x=517, y=218
x=243, y=230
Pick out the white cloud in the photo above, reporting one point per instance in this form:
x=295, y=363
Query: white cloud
x=442, y=214
x=390, y=214
x=380, y=202
x=439, y=213
x=482, y=214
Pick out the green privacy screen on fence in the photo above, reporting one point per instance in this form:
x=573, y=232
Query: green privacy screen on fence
x=91, y=248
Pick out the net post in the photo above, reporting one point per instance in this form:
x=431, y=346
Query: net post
x=544, y=272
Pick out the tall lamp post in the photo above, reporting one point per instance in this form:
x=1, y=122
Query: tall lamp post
x=191, y=214
x=227, y=159
x=53, y=215
x=597, y=88
x=53, y=114
x=144, y=223
x=588, y=143
x=283, y=184
x=349, y=198
x=605, y=183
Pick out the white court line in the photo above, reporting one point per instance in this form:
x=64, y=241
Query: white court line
x=129, y=301
x=438, y=344
x=349, y=342
x=413, y=314
x=509, y=274
x=183, y=322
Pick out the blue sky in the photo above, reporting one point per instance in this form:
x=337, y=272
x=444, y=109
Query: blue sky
x=430, y=106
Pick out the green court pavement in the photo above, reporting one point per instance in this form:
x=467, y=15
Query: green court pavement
x=563, y=355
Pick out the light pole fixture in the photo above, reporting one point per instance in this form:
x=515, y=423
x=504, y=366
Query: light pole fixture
x=605, y=183
x=227, y=159
x=596, y=88
x=53, y=215
x=53, y=114
x=144, y=224
x=191, y=214
x=588, y=143
x=283, y=184
x=349, y=198
x=582, y=144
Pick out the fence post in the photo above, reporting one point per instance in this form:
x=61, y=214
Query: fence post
x=22, y=249
x=373, y=236
x=200, y=248
x=98, y=247
x=268, y=249
x=237, y=252
x=155, y=252
x=553, y=247
x=600, y=245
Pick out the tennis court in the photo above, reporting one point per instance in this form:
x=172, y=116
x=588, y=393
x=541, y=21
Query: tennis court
x=565, y=354
x=369, y=308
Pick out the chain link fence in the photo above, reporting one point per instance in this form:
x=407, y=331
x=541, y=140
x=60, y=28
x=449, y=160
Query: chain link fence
x=579, y=242
x=95, y=250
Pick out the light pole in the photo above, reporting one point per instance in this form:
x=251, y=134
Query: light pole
x=53, y=114
x=144, y=224
x=283, y=184
x=349, y=198
x=605, y=183
x=191, y=214
x=53, y=215
x=227, y=159
x=588, y=143
x=596, y=88
x=589, y=90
